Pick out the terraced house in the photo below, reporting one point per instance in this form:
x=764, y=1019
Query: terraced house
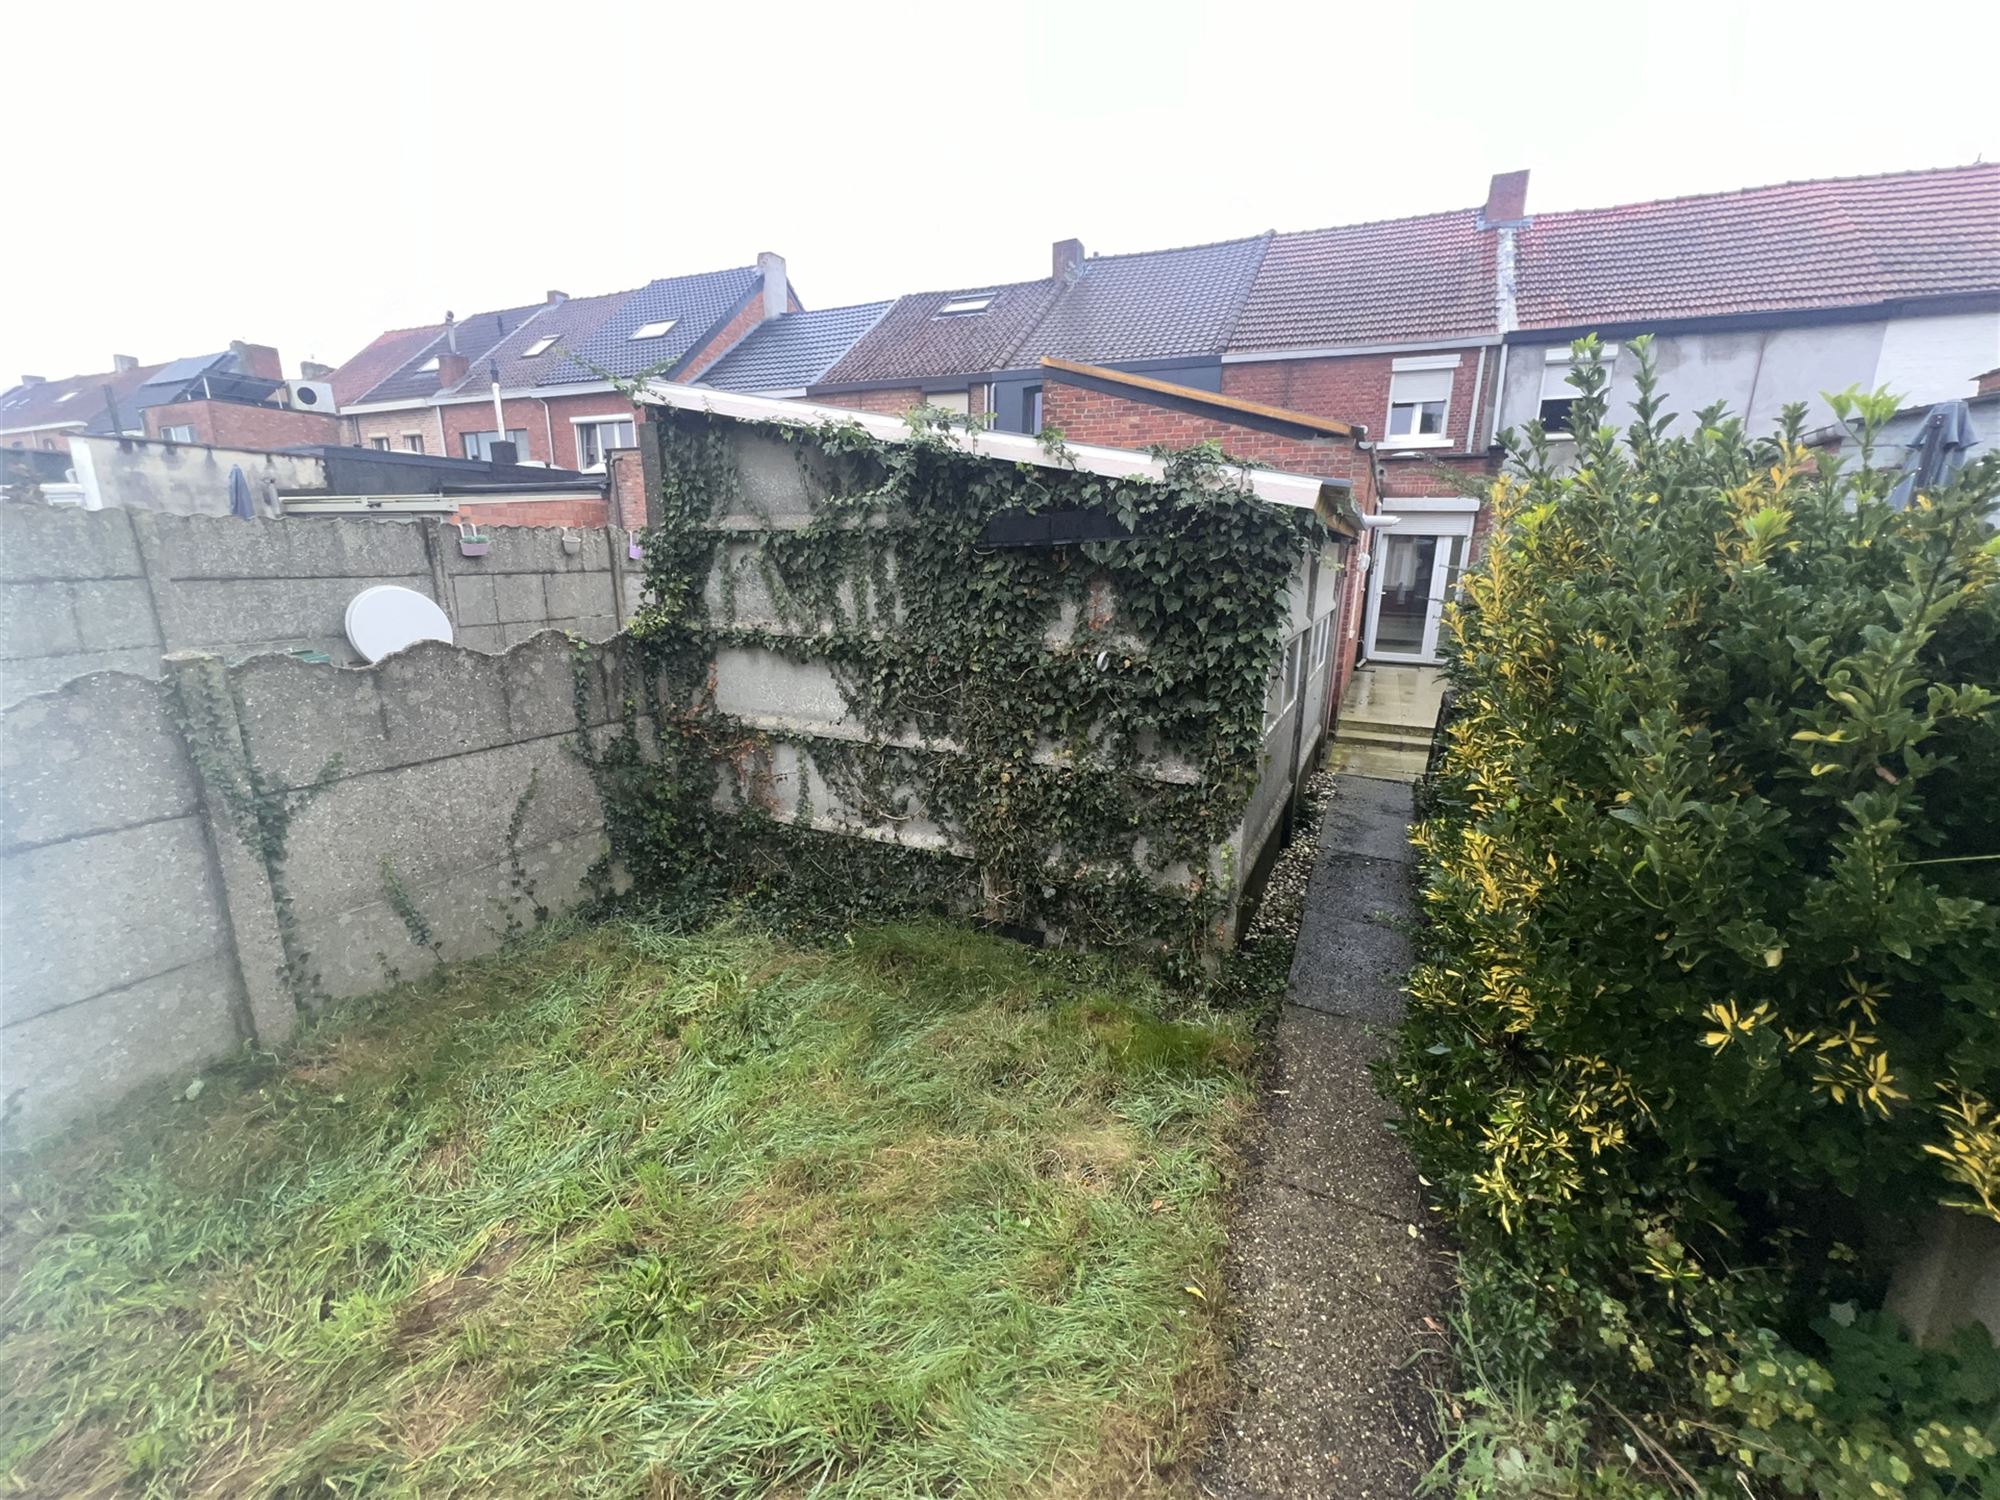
x=1409, y=345
x=555, y=364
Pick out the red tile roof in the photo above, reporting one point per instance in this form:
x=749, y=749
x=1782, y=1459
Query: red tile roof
x=1392, y=281
x=389, y=353
x=1835, y=243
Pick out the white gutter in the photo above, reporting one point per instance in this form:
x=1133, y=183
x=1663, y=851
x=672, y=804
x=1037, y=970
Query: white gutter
x=1297, y=491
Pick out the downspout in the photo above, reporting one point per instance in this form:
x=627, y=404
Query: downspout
x=1499, y=395
x=548, y=432
x=1478, y=385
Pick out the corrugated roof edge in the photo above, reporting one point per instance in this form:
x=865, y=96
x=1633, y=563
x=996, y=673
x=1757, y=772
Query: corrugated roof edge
x=1327, y=497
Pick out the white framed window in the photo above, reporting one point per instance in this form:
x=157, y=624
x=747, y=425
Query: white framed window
x=379, y=444
x=1557, y=394
x=956, y=402
x=1419, y=404
x=479, y=445
x=413, y=442
x=181, y=434
x=597, y=436
x=1322, y=637
x=539, y=347
x=966, y=305
x=652, y=330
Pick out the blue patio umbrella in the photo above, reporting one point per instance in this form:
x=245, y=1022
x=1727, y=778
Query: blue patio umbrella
x=1936, y=453
x=240, y=504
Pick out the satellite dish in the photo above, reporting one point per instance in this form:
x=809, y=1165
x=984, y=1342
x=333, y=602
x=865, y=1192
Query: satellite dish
x=386, y=618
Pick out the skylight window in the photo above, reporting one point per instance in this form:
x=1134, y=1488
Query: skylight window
x=68, y=396
x=540, y=346
x=967, y=306
x=653, y=330
x=428, y=367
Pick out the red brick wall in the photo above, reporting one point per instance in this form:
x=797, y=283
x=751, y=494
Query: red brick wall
x=231, y=424
x=1355, y=388
x=1086, y=416
x=628, y=491
x=423, y=420
x=537, y=513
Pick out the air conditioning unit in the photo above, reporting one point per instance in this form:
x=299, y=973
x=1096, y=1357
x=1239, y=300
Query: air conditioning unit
x=312, y=395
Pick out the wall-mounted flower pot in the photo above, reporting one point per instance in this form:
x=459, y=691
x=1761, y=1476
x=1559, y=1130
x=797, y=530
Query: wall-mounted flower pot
x=467, y=547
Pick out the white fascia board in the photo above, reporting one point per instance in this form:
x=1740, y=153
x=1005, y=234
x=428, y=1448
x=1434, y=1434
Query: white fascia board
x=1407, y=363
x=1297, y=491
x=425, y=403
x=45, y=427
x=1448, y=505
x=1337, y=351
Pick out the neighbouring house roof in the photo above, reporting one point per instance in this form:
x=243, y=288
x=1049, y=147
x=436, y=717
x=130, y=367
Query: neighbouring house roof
x=1329, y=497
x=916, y=340
x=416, y=379
x=381, y=359
x=77, y=400
x=693, y=304
x=1160, y=304
x=1388, y=282
x=570, y=323
x=794, y=351
x=1165, y=393
x=1833, y=243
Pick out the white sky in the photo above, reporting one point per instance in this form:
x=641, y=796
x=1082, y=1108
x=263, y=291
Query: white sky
x=308, y=175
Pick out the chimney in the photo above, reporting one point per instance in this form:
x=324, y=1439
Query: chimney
x=777, y=291
x=34, y=380
x=1987, y=384
x=1066, y=260
x=556, y=299
x=120, y=363
x=1506, y=200
x=256, y=359
x=313, y=370
x=451, y=369
x=451, y=333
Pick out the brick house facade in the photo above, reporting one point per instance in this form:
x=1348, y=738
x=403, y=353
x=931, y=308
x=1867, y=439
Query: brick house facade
x=235, y=424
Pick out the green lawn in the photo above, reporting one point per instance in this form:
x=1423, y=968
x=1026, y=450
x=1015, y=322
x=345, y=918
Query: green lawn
x=631, y=1213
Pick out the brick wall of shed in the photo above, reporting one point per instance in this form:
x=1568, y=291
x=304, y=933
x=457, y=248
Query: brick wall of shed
x=232, y=424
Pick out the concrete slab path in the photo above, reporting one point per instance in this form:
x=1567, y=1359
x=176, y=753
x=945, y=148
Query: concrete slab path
x=1341, y=1280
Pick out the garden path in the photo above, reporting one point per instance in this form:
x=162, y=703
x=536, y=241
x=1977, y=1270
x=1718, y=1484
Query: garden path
x=1340, y=1278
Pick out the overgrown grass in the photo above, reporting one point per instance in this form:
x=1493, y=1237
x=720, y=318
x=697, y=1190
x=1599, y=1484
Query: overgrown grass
x=629, y=1212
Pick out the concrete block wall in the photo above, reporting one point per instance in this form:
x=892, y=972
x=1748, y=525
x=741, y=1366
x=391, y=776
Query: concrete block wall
x=142, y=936
x=86, y=591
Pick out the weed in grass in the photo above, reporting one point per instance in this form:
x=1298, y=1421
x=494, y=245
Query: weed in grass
x=634, y=1211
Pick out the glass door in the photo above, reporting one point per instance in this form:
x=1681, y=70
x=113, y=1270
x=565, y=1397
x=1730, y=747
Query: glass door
x=1413, y=577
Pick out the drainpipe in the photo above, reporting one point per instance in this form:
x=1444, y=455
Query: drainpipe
x=1499, y=395
x=499, y=417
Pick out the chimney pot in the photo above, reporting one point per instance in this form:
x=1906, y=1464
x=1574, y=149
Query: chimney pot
x=1506, y=199
x=556, y=298
x=777, y=290
x=1066, y=259
x=120, y=363
x=450, y=332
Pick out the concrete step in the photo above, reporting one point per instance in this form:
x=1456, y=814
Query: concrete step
x=1377, y=761
x=1346, y=736
x=1385, y=728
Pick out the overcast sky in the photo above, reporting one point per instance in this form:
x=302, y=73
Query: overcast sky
x=308, y=175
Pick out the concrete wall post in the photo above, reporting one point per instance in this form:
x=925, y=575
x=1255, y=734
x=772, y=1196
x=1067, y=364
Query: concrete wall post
x=213, y=733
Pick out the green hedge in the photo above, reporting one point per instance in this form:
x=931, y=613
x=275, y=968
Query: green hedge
x=1708, y=1012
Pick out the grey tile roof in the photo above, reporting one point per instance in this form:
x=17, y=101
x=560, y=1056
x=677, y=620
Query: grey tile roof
x=477, y=336
x=1161, y=304
x=794, y=351
x=913, y=343
x=694, y=303
x=571, y=324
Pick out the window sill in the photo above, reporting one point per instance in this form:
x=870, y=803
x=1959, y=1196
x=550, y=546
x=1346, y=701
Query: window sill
x=1410, y=445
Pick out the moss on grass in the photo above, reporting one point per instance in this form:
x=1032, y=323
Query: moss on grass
x=628, y=1212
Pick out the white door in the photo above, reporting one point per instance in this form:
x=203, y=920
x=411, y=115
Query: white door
x=1411, y=579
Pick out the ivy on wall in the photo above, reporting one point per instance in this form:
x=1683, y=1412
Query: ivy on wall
x=1081, y=724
